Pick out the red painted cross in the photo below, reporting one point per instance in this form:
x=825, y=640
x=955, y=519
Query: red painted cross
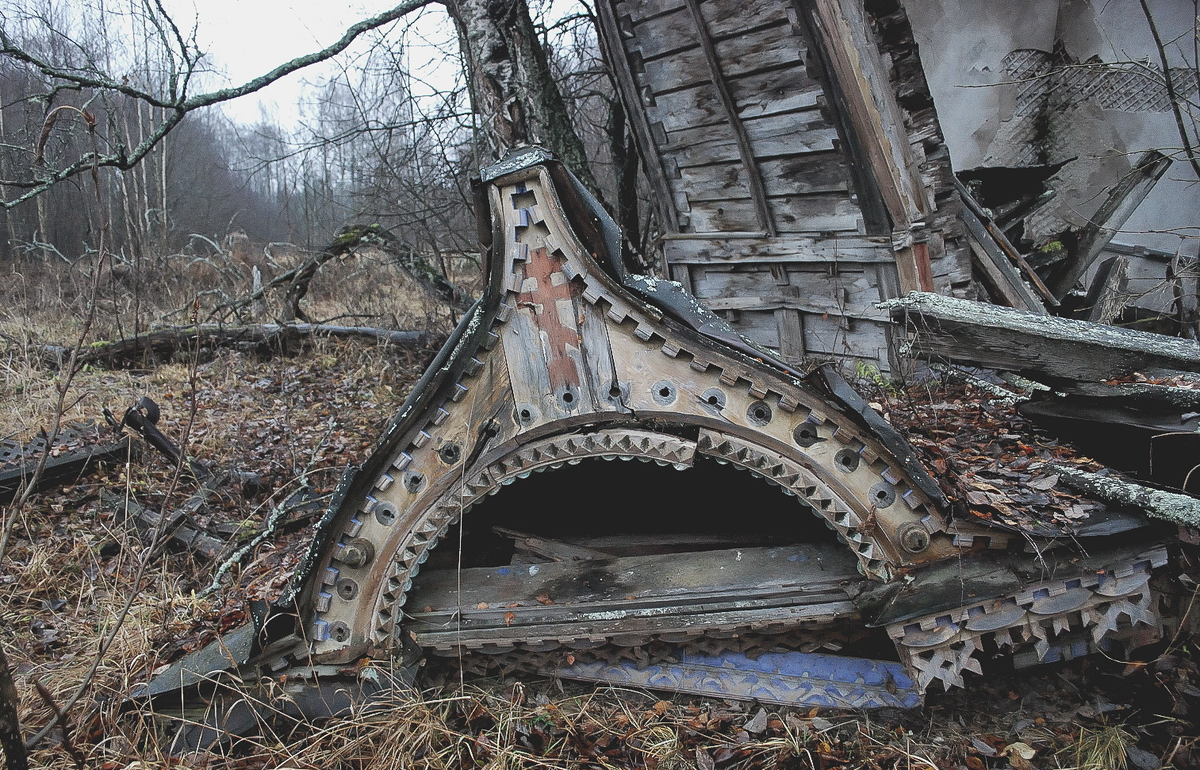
x=542, y=301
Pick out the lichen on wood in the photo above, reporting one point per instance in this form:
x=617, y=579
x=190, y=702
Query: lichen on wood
x=1171, y=506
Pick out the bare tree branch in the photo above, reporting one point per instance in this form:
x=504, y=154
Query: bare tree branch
x=178, y=104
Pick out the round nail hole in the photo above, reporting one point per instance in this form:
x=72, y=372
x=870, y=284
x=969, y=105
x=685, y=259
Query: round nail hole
x=449, y=453
x=339, y=631
x=847, y=460
x=568, y=397
x=386, y=513
x=759, y=413
x=663, y=392
x=525, y=414
x=806, y=434
x=614, y=391
x=413, y=482
x=713, y=397
x=347, y=589
x=883, y=495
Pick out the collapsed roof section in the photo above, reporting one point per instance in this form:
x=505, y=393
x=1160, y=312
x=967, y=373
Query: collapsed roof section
x=796, y=161
x=801, y=175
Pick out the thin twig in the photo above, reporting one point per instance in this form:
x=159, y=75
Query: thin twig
x=68, y=742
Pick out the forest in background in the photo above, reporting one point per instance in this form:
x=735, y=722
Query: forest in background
x=223, y=202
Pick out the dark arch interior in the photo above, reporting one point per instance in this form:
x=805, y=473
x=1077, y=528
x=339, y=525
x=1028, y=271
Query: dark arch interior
x=628, y=508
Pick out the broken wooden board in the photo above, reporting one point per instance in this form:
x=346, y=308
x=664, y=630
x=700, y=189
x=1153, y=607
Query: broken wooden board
x=941, y=328
x=78, y=449
x=636, y=595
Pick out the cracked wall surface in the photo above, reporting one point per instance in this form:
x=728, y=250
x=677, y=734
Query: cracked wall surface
x=1039, y=82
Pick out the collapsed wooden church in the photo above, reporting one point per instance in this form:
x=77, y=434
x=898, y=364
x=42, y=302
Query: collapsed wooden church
x=805, y=193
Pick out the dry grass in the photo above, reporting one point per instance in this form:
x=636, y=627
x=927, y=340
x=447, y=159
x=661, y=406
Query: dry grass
x=70, y=567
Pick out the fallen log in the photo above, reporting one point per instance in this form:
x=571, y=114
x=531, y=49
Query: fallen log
x=1172, y=506
x=260, y=338
x=939, y=328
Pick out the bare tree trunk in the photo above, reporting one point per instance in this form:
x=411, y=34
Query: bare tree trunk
x=512, y=87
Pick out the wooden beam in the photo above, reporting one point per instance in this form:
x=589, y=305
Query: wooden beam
x=845, y=35
x=844, y=32
x=1122, y=200
x=944, y=328
x=753, y=174
x=1000, y=252
x=1172, y=506
x=613, y=46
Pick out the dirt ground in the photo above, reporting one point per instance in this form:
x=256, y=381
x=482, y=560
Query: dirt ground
x=75, y=575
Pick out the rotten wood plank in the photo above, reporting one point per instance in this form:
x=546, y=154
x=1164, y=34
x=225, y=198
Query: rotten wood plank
x=996, y=265
x=546, y=549
x=790, y=583
x=962, y=331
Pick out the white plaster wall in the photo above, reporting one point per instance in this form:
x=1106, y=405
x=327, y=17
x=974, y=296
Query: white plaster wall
x=963, y=44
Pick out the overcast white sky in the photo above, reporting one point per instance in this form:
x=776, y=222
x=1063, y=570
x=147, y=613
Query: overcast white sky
x=247, y=39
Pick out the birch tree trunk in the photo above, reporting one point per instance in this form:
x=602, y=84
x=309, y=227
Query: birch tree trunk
x=512, y=88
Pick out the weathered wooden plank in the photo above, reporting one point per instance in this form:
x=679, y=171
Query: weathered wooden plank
x=756, y=95
x=599, y=371
x=1003, y=280
x=846, y=338
x=946, y=328
x=789, y=324
x=695, y=250
x=756, y=325
x=850, y=283
x=823, y=172
x=617, y=58
x=754, y=51
x=533, y=549
x=559, y=591
x=993, y=260
x=639, y=544
x=792, y=214
x=789, y=133
x=646, y=9
x=658, y=33
x=752, y=176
